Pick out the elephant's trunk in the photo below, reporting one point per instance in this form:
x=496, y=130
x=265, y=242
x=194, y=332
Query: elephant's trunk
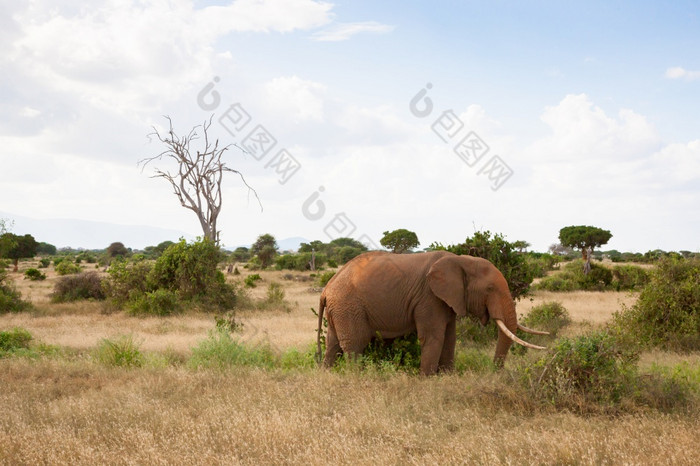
x=507, y=317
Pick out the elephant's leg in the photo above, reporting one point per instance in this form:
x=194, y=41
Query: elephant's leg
x=432, y=338
x=332, y=346
x=447, y=357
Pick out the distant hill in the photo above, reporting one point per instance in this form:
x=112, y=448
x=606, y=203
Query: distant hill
x=87, y=234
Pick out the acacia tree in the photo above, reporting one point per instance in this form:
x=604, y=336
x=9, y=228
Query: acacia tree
x=400, y=240
x=585, y=238
x=265, y=248
x=17, y=247
x=197, y=181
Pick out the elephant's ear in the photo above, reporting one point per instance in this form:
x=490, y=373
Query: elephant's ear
x=446, y=280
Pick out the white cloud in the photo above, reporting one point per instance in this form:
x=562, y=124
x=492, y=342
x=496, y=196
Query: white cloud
x=129, y=56
x=582, y=131
x=678, y=72
x=344, y=31
x=301, y=99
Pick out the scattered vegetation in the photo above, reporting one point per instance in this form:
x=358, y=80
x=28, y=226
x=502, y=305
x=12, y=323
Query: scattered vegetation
x=34, y=274
x=325, y=277
x=185, y=274
x=251, y=279
x=600, y=278
x=667, y=313
x=67, y=267
x=122, y=351
x=584, y=371
x=549, y=316
x=10, y=299
x=86, y=285
x=13, y=340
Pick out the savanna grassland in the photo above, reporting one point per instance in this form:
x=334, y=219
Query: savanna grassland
x=61, y=404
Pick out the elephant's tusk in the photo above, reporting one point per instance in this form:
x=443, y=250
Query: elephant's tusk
x=512, y=336
x=534, y=332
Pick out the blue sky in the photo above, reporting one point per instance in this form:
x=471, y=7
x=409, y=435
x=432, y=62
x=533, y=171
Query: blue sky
x=591, y=107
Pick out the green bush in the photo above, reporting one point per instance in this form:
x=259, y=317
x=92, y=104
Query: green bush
x=10, y=298
x=324, y=278
x=220, y=350
x=667, y=313
x=12, y=340
x=593, y=367
x=122, y=351
x=470, y=333
x=300, y=261
x=128, y=279
x=86, y=285
x=160, y=302
x=184, y=272
x=549, y=316
x=571, y=278
x=44, y=262
x=541, y=263
x=402, y=353
x=34, y=274
x=189, y=268
x=251, y=279
x=629, y=277
x=66, y=267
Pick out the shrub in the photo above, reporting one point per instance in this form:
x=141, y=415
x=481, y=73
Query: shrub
x=86, y=285
x=572, y=278
x=667, y=313
x=471, y=333
x=44, y=262
x=34, y=274
x=160, y=302
x=324, y=278
x=66, y=267
x=251, y=279
x=127, y=280
x=593, y=367
x=120, y=352
x=629, y=277
x=221, y=351
x=12, y=340
x=402, y=353
x=550, y=317
x=10, y=298
x=227, y=322
x=191, y=269
x=473, y=360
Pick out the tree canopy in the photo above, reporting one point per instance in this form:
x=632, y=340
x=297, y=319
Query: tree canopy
x=584, y=238
x=399, y=241
x=265, y=248
x=17, y=247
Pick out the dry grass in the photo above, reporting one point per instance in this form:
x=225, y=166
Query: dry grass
x=74, y=411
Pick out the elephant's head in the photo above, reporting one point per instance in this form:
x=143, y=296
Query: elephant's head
x=475, y=285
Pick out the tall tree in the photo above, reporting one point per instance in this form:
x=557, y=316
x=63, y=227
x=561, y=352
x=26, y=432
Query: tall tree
x=585, y=238
x=17, y=247
x=399, y=241
x=197, y=180
x=265, y=248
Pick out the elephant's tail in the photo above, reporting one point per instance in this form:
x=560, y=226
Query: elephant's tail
x=321, y=307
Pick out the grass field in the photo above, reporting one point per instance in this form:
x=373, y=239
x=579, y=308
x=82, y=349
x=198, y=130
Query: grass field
x=71, y=409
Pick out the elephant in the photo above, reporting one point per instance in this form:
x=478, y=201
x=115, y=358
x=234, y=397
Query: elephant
x=395, y=294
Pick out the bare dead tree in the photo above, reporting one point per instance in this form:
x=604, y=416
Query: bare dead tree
x=197, y=182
